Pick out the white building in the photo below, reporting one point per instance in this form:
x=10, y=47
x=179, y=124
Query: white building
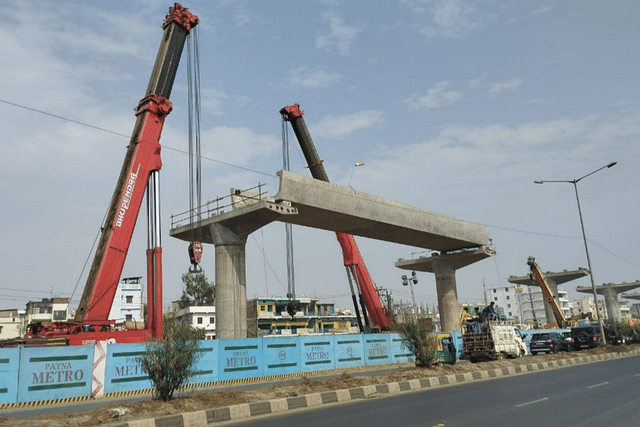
x=127, y=302
x=47, y=310
x=525, y=304
x=200, y=317
x=11, y=323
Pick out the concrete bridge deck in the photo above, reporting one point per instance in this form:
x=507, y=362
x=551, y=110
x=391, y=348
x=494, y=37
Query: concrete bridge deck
x=313, y=203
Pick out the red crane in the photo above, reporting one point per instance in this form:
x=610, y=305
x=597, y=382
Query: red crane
x=353, y=261
x=140, y=172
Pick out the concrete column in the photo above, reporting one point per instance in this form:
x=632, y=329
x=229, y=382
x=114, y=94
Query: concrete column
x=612, y=304
x=447, y=292
x=231, y=286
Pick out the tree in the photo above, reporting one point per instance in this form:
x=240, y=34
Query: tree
x=421, y=341
x=197, y=290
x=169, y=361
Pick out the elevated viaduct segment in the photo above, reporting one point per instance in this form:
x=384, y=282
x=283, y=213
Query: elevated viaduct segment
x=313, y=203
x=610, y=292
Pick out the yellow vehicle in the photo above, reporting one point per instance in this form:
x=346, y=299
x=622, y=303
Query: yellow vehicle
x=446, y=350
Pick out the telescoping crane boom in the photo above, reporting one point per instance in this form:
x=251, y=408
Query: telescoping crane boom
x=541, y=280
x=140, y=171
x=353, y=261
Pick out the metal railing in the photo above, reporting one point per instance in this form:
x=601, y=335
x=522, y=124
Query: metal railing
x=219, y=205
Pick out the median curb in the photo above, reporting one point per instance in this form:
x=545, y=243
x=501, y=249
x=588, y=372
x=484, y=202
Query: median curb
x=275, y=406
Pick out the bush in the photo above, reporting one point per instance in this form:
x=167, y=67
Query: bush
x=620, y=333
x=169, y=361
x=421, y=341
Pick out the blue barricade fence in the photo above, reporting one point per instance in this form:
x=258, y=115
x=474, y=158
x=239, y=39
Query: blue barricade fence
x=33, y=374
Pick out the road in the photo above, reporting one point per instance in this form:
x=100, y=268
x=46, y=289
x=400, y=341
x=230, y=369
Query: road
x=590, y=395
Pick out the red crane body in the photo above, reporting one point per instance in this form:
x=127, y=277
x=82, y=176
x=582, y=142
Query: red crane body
x=139, y=173
x=352, y=257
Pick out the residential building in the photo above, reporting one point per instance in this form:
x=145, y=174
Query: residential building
x=47, y=310
x=267, y=316
x=11, y=323
x=525, y=304
x=199, y=316
x=127, y=302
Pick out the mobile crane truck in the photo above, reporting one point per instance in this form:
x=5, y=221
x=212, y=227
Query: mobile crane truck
x=140, y=171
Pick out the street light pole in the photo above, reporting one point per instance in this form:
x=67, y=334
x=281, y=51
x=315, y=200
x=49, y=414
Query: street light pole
x=411, y=281
x=584, y=237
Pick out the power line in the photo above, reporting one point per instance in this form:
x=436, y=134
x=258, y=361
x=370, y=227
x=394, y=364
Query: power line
x=128, y=136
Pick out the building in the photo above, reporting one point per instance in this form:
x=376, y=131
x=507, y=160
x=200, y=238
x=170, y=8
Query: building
x=127, y=302
x=526, y=304
x=47, y=310
x=11, y=323
x=267, y=316
x=200, y=317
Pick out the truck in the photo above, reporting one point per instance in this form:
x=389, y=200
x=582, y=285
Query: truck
x=373, y=308
x=492, y=340
x=140, y=172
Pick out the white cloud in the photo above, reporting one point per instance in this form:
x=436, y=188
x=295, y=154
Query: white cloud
x=436, y=97
x=447, y=18
x=508, y=85
x=311, y=79
x=340, y=36
x=237, y=145
x=338, y=127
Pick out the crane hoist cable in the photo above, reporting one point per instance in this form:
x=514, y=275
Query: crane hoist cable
x=195, y=154
x=291, y=284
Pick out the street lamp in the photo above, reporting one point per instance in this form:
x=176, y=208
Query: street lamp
x=584, y=237
x=411, y=281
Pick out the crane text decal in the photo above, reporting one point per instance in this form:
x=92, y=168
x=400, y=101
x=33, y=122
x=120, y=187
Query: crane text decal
x=124, y=204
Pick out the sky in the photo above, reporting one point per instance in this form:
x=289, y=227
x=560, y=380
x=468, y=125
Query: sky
x=455, y=107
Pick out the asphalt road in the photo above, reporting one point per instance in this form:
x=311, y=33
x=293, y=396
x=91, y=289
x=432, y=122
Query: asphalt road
x=590, y=395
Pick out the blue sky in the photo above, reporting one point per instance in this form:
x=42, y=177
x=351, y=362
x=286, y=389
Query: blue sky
x=455, y=107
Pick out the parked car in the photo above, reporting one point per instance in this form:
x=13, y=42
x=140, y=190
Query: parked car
x=585, y=337
x=547, y=342
x=567, y=344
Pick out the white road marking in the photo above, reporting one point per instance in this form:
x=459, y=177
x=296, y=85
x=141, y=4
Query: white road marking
x=598, y=385
x=532, y=402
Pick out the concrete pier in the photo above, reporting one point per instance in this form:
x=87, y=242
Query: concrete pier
x=554, y=279
x=317, y=204
x=610, y=292
x=444, y=266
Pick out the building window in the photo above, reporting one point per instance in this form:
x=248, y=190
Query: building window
x=506, y=289
x=507, y=296
x=199, y=320
x=263, y=308
x=129, y=317
x=496, y=298
x=60, y=315
x=495, y=291
x=129, y=299
x=508, y=305
x=212, y=320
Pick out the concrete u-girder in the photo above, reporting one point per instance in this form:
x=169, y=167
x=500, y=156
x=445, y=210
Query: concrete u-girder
x=317, y=204
x=553, y=279
x=610, y=292
x=444, y=266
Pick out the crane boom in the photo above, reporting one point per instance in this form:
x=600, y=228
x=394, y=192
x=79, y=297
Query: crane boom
x=352, y=257
x=140, y=172
x=541, y=280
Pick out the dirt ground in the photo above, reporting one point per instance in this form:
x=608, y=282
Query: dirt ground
x=230, y=396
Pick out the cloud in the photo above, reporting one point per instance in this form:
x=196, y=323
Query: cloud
x=340, y=36
x=237, y=145
x=311, y=78
x=338, y=127
x=508, y=85
x=436, y=97
x=447, y=18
